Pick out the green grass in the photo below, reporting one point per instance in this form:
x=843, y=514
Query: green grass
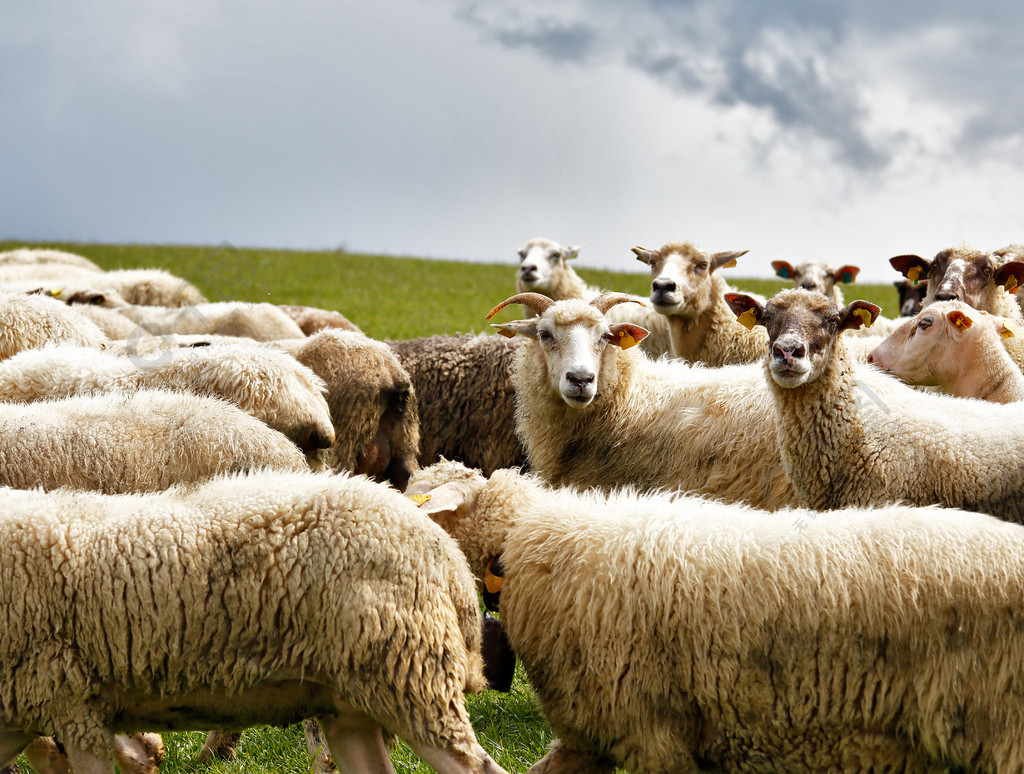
x=390, y=298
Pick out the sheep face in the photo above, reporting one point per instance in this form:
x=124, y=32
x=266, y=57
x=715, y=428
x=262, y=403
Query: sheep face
x=802, y=329
x=681, y=277
x=816, y=276
x=539, y=259
x=962, y=274
x=911, y=295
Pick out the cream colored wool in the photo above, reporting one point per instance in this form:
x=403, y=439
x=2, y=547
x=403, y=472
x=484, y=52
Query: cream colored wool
x=30, y=322
x=144, y=441
x=152, y=287
x=49, y=273
x=844, y=446
x=115, y=325
x=270, y=385
x=263, y=322
x=667, y=634
x=313, y=320
x=42, y=255
x=249, y=599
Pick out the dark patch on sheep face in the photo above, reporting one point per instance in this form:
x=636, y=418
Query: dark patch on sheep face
x=911, y=296
x=384, y=459
x=960, y=274
x=802, y=328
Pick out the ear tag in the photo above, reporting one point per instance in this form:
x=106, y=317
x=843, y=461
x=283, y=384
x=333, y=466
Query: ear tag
x=748, y=319
x=419, y=499
x=914, y=274
x=1008, y=329
x=626, y=340
x=846, y=279
x=55, y=293
x=961, y=323
x=729, y=265
x=1012, y=286
x=865, y=316
x=493, y=580
x=506, y=333
x=783, y=272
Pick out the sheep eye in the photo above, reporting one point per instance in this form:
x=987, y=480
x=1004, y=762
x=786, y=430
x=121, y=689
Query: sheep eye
x=522, y=254
x=545, y=336
x=702, y=266
x=925, y=324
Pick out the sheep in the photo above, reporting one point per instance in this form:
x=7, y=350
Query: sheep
x=134, y=442
x=543, y=269
x=465, y=398
x=966, y=274
x=270, y=385
x=29, y=322
x=911, y=294
x=312, y=320
x=262, y=322
x=677, y=634
x=847, y=444
x=250, y=599
x=593, y=412
x=35, y=256
x=818, y=277
x=956, y=348
x=686, y=289
x=152, y=287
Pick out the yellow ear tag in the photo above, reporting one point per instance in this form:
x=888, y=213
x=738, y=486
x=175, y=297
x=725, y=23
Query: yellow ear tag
x=1012, y=286
x=865, y=316
x=914, y=274
x=55, y=293
x=748, y=319
x=961, y=323
x=626, y=340
x=730, y=264
x=506, y=333
x=419, y=499
x=1008, y=329
x=492, y=582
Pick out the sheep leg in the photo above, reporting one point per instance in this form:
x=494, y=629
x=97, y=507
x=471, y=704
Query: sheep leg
x=356, y=744
x=45, y=757
x=12, y=742
x=139, y=753
x=84, y=762
x=564, y=760
x=219, y=745
x=448, y=762
x=317, y=746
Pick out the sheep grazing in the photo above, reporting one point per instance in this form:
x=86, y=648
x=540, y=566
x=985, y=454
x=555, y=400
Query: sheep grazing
x=543, y=269
x=845, y=443
x=34, y=256
x=686, y=289
x=592, y=411
x=30, y=322
x=465, y=398
x=956, y=348
x=251, y=599
x=270, y=385
x=965, y=274
x=911, y=294
x=312, y=320
x=817, y=277
x=674, y=634
x=142, y=441
x=262, y=322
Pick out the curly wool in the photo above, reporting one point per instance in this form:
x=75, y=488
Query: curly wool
x=667, y=633
x=263, y=321
x=30, y=322
x=244, y=581
x=42, y=255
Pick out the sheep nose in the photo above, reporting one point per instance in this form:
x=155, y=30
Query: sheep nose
x=788, y=351
x=663, y=286
x=579, y=379
x=808, y=285
x=316, y=440
x=871, y=358
x=947, y=293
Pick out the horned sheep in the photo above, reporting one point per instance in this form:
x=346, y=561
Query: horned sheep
x=680, y=634
x=959, y=350
x=845, y=446
x=250, y=599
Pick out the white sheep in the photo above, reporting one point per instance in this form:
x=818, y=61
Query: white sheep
x=677, y=634
x=251, y=599
x=262, y=321
x=956, y=348
x=313, y=320
x=34, y=256
x=593, y=411
x=270, y=385
x=845, y=443
x=688, y=291
x=818, y=277
x=544, y=269
x=30, y=322
x=142, y=441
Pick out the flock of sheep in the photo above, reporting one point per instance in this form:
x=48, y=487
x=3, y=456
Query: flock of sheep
x=722, y=532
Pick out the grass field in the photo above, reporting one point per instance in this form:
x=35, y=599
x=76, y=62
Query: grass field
x=390, y=298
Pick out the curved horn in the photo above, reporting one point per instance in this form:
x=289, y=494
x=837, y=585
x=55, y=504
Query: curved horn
x=606, y=301
x=535, y=301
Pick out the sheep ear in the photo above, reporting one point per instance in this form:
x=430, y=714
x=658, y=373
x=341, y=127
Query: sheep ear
x=571, y=252
x=858, y=314
x=512, y=328
x=726, y=259
x=913, y=267
x=645, y=256
x=783, y=269
x=846, y=274
x=445, y=498
x=959, y=323
x=1010, y=276
x=627, y=335
x=748, y=310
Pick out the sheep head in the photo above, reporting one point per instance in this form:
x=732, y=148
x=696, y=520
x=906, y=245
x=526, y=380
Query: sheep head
x=964, y=274
x=539, y=260
x=572, y=336
x=681, y=277
x=815, y=276
x=802, y=330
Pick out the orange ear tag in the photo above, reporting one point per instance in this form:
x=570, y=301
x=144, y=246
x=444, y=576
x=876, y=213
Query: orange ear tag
x=1012, y=286
x=730, y=264
x=748, y=319
x=492, y=582
x=914, y=274
x=865, y=316
x=626, y=340
x=1008, y=329
x=419, y=499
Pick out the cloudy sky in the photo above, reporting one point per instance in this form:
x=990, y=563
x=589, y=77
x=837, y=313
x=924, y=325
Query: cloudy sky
x=796, y=129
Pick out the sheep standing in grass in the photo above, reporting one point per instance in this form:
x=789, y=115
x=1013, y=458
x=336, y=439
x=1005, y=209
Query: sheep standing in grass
x=688, y=291
x=847, y=444
x=270, y=385
x=956, y=348
x=254, y=599
x=674, y=634
x=465, y=398
x=593, y=411
x=544, y=269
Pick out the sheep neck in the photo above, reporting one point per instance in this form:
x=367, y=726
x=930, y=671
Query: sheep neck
x=991, y=376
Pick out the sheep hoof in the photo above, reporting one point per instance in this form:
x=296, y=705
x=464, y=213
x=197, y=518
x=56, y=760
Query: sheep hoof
x=219, y=745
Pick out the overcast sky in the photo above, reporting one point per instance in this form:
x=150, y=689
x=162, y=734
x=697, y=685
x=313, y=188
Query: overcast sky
x=796, y=129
